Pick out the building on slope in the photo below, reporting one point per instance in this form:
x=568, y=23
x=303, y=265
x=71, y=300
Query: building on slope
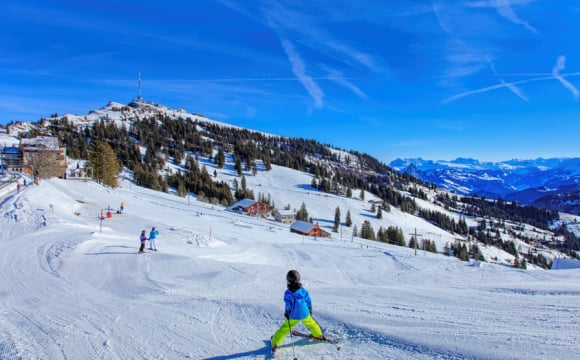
x=308, y=229
x=41, y=157
x=285, y=216
x=249, y=207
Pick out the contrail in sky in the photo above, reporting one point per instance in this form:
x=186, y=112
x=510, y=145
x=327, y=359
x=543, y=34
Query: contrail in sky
x=510, y=85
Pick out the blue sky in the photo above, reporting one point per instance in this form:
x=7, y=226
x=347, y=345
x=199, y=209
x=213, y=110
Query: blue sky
x=489, y=79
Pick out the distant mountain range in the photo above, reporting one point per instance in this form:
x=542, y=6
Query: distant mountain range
x=548, y=183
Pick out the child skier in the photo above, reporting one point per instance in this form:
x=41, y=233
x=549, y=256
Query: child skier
x=142, y=238
x=298, y=308
x=152, y=237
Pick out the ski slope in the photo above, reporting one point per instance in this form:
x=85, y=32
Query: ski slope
x=75, y=288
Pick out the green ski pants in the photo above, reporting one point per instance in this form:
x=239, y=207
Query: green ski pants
x=284, y=330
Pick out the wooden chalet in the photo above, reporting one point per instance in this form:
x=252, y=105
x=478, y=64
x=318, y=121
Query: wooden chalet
x=249, y=207
x=309, y=229
x=285, y=216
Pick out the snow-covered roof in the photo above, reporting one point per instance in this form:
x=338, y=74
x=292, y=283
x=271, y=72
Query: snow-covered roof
x=285, y=212
x=244, y=203
x=42, y=142
x=302, y=226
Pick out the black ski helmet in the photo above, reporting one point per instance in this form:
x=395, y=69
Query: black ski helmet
x=293, y=276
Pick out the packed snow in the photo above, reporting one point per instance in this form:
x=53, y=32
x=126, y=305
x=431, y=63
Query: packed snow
x=74, y=287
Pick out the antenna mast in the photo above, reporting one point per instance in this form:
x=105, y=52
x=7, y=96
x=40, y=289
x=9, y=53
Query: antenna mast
x=139, y=97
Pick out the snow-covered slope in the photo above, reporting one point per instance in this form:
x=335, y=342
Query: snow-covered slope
x=123, y=115
x=73, y=288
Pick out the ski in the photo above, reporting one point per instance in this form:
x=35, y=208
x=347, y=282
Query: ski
x=272, y=351
x=323, y=338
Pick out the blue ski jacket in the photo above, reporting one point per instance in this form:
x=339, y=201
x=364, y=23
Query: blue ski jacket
x=298, y=303
x=153, y=234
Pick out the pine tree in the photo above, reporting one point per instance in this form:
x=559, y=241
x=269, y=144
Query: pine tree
x=181, y=190
x=366, y=231
x=412, y=242
x=244, y=184
x=302, y=214
x=104, y=163
x=348, y=220
x=336, y=219
x=220, y=159
x=238, y=166
x=463, y=253
x=379, y=213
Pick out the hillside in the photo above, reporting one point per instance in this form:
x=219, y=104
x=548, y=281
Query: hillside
x=75, y=289
x=173, y=150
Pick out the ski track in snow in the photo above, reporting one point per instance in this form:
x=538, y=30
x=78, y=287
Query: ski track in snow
x=75, y=290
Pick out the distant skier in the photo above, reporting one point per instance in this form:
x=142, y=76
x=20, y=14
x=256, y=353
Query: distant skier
x=152, y=237
x=298, y=308
x=142, y=238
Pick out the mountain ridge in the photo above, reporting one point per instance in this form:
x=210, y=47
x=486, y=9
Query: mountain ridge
x=163, y=147
x=524, y=181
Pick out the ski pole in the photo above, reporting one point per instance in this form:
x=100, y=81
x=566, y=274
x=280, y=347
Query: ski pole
x=291, y=339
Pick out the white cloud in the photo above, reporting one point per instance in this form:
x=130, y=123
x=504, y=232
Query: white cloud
x=299, y=69
x=560, y=65
x=510, y=86
x=339, y=78
x=504, y=9
x=442, y=23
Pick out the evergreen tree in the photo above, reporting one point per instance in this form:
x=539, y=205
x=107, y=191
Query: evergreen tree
x=379, y=213
x=395, y=235
x=220, y=159
x=104, y=163
x=267, y=162
x=463, y=253
x=302, y=213
x=412, y=242
x=181, y=190
x=348, y=220
x=238, y=166
x=336, y=219
x=244, y=185
x=366, y=231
